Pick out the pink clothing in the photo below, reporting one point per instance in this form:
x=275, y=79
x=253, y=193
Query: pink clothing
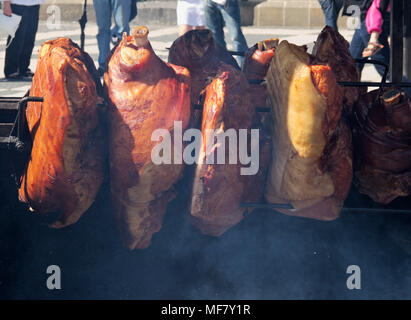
x=374, y=19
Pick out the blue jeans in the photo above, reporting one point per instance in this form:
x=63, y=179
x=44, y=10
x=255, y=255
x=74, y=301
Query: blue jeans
x=216, y=16
x=331, y=9
x=104, y=9
x=133, y=13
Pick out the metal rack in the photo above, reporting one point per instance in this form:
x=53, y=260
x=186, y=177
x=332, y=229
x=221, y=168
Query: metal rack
x=15, y=138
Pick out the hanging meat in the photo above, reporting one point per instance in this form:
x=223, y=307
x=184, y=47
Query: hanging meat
x=382, y=132
x=257, y=59
x=255, y=66
x=311, y=165
x=202, y=56
x=256, y=62
x=332, y=48
x=218, y=187
x=144, y=94
x=65, y=169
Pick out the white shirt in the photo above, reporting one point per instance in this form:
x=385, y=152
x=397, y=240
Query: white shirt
x=25, y=2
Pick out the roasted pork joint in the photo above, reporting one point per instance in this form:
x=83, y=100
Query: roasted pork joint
x=197, y=51
x=382, y=131
x=312, y=155
x=144, y=94
x=65, y=169
x=220, y=186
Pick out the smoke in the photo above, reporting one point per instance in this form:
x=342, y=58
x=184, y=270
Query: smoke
x=267, y=256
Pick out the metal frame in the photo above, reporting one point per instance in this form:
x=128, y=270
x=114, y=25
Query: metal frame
x=18, y=142
x=396, y=33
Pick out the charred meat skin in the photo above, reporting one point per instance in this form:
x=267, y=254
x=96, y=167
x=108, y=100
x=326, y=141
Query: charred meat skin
x=66, y=167
x=144, y=94
x=382, y=131
x=312, y=151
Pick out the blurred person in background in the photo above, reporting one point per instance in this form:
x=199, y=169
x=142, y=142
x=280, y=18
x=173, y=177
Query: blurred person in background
x=375, y=17
x=361, y=38
x=20, y=48
x=226, y=12
x=104, y=9
x=374, y=21
x=331, y=9
x=190, y=15
x=115, y=34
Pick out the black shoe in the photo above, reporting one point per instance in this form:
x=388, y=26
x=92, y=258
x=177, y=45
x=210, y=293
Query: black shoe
x=14, y=77
x=115, y=40
x=27, y=74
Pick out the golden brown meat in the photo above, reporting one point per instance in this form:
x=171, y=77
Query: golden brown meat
x=312, y=153
x=218, y=188
x=382, y=132
x=145, y=94
x=65, y=169
x=332, y=48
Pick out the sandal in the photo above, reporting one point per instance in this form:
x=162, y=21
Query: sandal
x=371, y=49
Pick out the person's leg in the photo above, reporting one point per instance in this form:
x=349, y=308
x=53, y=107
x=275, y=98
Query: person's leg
x=13, y=51
x=133, y=9
x=338, y=5
x=114, y=31
x=30, y=38
x=374, y=37
x=358, y=43
x=331, y=10
x=232, y=19
x=121, y=13
x=373, y=45
x=384, y=54
x=214, y=21
x=103, y=19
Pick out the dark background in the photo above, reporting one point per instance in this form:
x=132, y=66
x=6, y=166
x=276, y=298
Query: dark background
x=267, y=256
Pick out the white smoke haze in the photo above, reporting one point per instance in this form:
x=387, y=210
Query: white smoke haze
x=266, y=256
